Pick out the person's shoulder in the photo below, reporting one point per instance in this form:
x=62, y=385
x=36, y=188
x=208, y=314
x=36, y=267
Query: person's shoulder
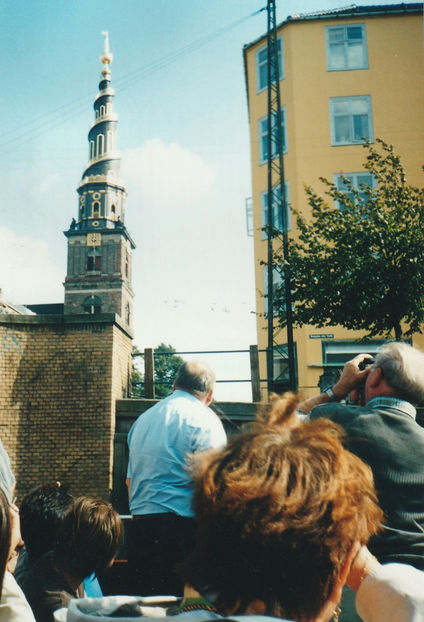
x=330, y=410
x=13, y=604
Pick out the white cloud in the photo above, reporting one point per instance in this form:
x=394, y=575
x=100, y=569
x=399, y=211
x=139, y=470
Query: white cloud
x=28, y=274
x=162, y=173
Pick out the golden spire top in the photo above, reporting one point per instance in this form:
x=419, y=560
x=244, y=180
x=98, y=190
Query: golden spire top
x=107, y=57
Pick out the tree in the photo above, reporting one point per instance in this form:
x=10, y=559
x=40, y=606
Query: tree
x=360, y=264
x=166, y=367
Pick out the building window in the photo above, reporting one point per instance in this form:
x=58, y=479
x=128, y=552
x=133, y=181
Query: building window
x=91, y=149
x=96, y=209
x=262, y=65
x=263, y=136
x=358, y=181
x=350, y=119
x=127, y=313
x=94, y=260
x=277, y=209
x=281, y=367
x=100, y=144
x=336, y=353
x=92, y=305
x=346, y=47
x=109, y=146
x=127, y=265
x=102, y=111
x=277, y=282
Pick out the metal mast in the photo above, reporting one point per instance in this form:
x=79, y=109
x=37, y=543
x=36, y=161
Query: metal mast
x=276, y=199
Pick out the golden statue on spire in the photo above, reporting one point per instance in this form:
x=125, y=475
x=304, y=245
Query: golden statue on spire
x=107, y=57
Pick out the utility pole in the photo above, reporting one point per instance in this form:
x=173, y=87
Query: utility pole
x=277, y=199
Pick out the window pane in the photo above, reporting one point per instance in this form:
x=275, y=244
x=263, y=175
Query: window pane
x=262, y=55
x=337, y=57
x=366, y=179
x=340, y=106
x=360, y=127
x=342, y=131
x=354, y=32
x=262, y=76
x=335, y=34
x=355, y=55
x=359, y=105
x=264, y=146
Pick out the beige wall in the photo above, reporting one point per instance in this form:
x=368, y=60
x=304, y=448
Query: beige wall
x=394, y=81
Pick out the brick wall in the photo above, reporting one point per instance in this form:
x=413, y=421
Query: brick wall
x=60, y=377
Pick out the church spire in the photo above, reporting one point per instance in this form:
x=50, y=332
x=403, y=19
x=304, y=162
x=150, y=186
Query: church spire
x=104, y=262
x=102, y=206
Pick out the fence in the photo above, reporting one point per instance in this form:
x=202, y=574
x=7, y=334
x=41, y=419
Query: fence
x=149, y=369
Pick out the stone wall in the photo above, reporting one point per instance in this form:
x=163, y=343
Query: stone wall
x=59, y=379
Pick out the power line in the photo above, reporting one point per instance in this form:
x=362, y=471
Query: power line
x=58, y=116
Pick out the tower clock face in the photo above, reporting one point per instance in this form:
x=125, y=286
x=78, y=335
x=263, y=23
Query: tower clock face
x=94, y=239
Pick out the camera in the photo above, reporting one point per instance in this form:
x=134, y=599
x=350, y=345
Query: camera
x=366, y=363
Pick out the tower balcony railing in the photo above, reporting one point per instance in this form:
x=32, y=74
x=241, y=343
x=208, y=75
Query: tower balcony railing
x=108, y=116
x=107, y=155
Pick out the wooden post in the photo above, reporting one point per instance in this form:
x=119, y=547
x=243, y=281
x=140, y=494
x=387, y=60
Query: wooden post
x=149, y=373
x=254, y=373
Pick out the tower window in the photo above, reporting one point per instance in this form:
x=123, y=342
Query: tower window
x=94, y=260
x=127, y=313
x=92, y=305
x=100, y=144
x=109, y=146
x=127, y=265
x=96, y=209
x=102, y=110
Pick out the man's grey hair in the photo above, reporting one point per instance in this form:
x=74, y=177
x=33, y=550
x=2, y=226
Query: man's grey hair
x=195, y=377
x=403, y=370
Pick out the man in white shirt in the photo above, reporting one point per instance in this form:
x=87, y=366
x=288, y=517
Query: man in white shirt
x=161, y=443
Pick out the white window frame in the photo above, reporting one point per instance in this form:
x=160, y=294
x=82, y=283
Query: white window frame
x=263, y=63
x=354, y=179
x=346, y=43
x=350, y=101
x=100, y=145
x=347, y=349
x=277, y=280
x=263, y=136
x=277, y=217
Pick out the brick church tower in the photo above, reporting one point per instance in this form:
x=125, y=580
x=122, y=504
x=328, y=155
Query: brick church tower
x=100, y=248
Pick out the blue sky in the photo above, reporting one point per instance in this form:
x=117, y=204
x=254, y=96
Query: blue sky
x=184, y=138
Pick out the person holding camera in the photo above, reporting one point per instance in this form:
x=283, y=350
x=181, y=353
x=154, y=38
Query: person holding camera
x=384, y=433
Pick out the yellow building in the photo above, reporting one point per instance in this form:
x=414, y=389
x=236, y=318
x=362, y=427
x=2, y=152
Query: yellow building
x=344, y=74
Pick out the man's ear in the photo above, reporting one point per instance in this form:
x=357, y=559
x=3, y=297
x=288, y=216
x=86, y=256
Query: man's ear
x=375, y=376
x=208, y=398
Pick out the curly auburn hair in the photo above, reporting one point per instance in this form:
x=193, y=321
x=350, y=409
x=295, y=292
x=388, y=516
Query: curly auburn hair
x=278, y=509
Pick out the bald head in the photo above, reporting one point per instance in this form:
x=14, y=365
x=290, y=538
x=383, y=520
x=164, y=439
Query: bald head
x=197, y=378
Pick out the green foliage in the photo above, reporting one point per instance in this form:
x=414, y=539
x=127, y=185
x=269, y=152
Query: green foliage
x=166, y=367
x=360, y=266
